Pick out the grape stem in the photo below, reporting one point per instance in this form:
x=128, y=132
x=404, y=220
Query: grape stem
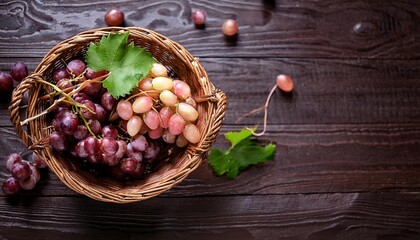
x=141, y=93
x=88, y=126
x=265, y=107
x=46, y=111
x=67, y=99
x=79, y=87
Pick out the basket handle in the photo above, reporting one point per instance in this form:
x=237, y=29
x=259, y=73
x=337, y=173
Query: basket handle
x=219, y=99
x=17, y=97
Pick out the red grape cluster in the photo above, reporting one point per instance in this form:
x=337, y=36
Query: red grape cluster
x=25, y=174
x=126, y=134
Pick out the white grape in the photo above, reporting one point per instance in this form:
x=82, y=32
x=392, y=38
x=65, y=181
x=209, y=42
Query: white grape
x=162, y=83
x=192, y=133
x=187, y=112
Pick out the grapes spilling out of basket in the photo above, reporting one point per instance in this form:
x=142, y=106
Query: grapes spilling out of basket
x=25, y=174
x=125, y=134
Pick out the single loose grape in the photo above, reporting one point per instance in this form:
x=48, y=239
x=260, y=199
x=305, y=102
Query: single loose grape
x=19, y=71
x=114, y=17
x=199, y=17
x=6, y=83
x=11, y=186
x=230, y=27
x=284, y=83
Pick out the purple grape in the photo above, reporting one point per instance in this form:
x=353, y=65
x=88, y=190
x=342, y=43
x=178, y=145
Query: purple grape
x=151, y=152
x=139, y=171
x=61, y=112
x=19, y=71
x=85, y=112
x=109, y=146
x=100, y=113
x=61, y=108
x=11, y=160
x=76, y=67
x=129, y=165
x=80, y=149
x=63, y=84
x=130, y=149
x=92, y=89
x=110, y=160
x=95, y=126
x=139, y=143
x=81, y=96
x=11, y=186
x=138, y=156
x=114, y=17
x=35, y=172
x=90, y=74
x=38, y=162
x=69, y=124
x=109, y=131
x=81, y=132
x=95, y=158
x=58, y=141
x=122, y=149
x=56, y=125
x=28, y=183
x=60, y=74
x=6, y=83
x=108, y=101
x=21, y=170
x=133, y=168
x=91, y=145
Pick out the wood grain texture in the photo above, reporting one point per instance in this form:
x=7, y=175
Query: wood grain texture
x=328, y=29
x=337, y=216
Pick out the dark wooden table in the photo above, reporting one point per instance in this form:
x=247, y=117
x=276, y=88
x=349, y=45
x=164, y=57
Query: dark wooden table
x=347, y=164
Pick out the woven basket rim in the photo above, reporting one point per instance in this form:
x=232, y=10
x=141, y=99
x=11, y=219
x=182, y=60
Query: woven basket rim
x=214, y=100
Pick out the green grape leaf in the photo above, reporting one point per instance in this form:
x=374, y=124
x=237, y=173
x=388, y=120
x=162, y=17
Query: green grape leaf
x=126, y=63
x=243, y=153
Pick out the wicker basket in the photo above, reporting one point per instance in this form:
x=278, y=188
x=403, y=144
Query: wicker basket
x=211, y=110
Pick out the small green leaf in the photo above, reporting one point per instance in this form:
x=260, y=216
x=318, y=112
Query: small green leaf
x=243, y=153
x=126, y=63
x=219, y=161
x=236, y=137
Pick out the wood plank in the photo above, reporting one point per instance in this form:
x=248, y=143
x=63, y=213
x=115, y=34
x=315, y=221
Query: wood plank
x=309, y=159
x=326, y=92
x=328, y=29
x=319, y=216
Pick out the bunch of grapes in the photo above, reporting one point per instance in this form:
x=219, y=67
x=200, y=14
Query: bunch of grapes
x=25, y=174
x=126, y=134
